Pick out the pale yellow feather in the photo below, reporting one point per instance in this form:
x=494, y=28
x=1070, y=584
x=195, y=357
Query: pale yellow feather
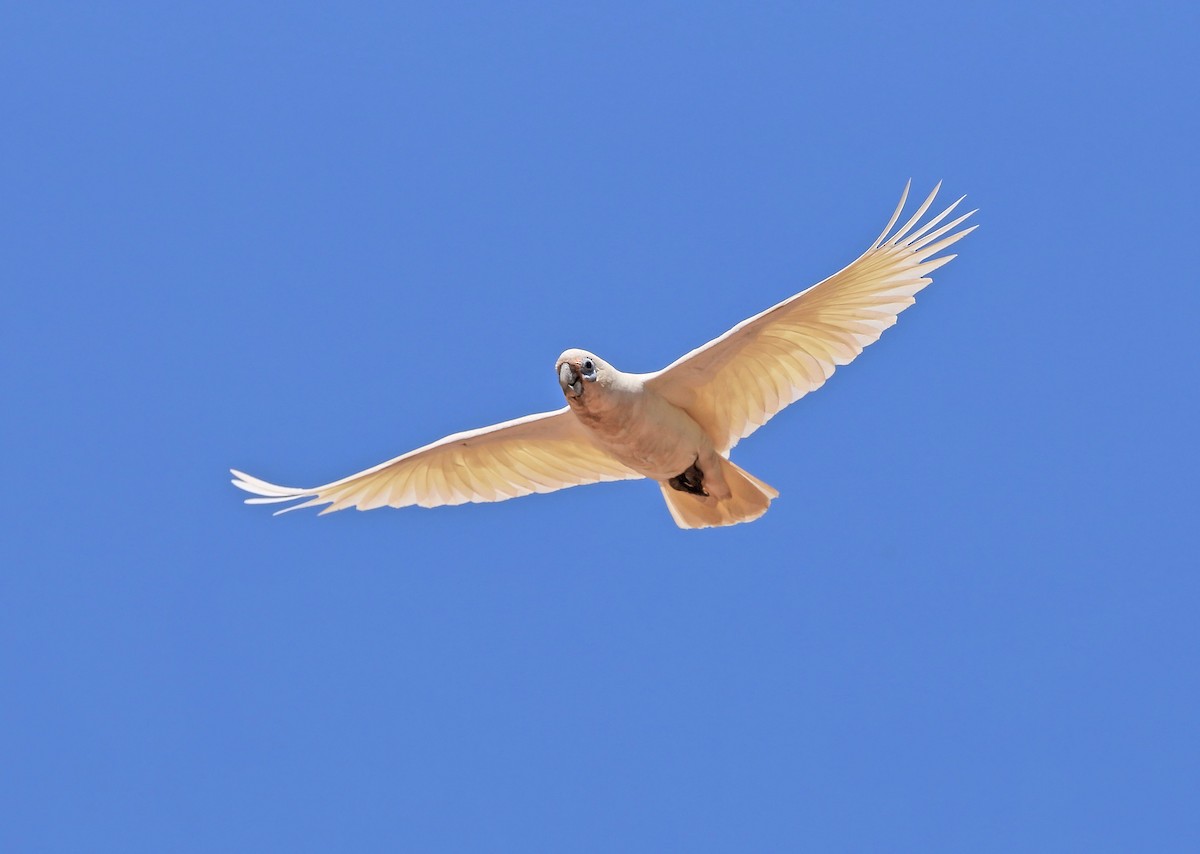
x=538, y=453
x=736, y=383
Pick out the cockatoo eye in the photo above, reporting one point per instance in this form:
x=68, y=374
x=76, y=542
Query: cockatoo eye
x=589, y=366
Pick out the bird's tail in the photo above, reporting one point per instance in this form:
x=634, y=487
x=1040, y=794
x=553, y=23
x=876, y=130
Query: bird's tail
x=750, y=499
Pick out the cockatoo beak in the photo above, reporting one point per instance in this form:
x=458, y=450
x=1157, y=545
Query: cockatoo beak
x=572, y=385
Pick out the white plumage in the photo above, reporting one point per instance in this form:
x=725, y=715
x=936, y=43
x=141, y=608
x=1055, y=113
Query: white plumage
x=676, y=425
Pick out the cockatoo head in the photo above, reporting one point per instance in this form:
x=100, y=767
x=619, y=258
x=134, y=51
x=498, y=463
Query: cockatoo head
x=578, y=369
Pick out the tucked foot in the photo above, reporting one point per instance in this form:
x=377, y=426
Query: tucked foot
x=691, y=481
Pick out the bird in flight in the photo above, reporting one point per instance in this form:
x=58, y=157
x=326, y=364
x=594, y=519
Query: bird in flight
x=675, y=426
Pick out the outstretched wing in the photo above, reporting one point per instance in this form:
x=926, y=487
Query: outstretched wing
x=537, y=453
x=734, y=384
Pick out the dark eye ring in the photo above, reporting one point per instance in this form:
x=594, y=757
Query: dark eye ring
x=588, y=366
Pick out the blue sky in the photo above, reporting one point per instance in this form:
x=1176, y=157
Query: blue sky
x=301, y=239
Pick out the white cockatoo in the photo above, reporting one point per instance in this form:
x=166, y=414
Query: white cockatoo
x=675, y=426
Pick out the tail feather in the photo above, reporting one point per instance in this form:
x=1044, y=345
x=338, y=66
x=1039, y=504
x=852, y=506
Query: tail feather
x=751, y=498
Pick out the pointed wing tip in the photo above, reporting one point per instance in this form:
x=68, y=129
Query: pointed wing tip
x=244, y=486
x=887, y=229
x=959, y=235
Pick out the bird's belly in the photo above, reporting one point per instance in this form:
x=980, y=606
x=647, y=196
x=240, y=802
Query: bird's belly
x=655, y=457
x=660, y=444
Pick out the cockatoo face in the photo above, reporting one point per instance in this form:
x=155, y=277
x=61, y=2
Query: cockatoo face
x=577, y=369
